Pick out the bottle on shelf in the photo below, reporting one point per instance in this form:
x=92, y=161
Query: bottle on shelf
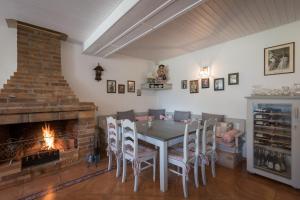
x=271, y=161
x=277, y=166
x=282, y=162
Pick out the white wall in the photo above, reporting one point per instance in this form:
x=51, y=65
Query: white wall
x=8, y=52
x=78, y=71
x=244, y=55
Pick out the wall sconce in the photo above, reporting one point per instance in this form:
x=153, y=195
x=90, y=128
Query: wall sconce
x=204, y=71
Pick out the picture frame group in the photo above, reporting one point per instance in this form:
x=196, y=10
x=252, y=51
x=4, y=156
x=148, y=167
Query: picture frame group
x=111, y=87
x=219, y=83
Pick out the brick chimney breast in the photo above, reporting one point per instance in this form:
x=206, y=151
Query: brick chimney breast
x=38, y=84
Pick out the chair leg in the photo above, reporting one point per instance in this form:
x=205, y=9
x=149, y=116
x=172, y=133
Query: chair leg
x=196, y=172
x=213, y=165
x=109, y=161
x=118, y=167
x=154, y=168
x=184, y=183
x=203, y=173
x=124, y=170
x=136, y=178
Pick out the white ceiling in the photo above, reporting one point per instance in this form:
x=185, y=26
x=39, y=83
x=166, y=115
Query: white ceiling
x=208, y=23
x=213, y=22
x=77, y=18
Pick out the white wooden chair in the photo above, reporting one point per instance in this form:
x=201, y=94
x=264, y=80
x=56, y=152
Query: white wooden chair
x=187, y=155
x=208, y=148
x=113, y=144
x=136, y=154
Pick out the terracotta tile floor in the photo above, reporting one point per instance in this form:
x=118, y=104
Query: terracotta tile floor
x=229, y=184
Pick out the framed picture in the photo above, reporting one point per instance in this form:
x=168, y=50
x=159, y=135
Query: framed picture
x=111, y=86
x=233, y=79
x=121, y=88
x=205, y=83
x=184, y=84
x=138, y=92
x=131, y=86
x=194, y=86
x=280, y=59
x=219, y=84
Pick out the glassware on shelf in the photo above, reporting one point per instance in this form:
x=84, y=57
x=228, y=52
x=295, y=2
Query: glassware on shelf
x=286, y=91
x=296, y=89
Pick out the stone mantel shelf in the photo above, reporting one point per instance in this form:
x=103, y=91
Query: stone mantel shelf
x=46, y=109
x=16, y=115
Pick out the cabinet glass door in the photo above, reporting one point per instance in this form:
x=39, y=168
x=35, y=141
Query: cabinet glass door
x=272, y=138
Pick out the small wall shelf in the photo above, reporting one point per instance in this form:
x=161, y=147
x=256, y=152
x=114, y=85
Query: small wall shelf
x=156, y=86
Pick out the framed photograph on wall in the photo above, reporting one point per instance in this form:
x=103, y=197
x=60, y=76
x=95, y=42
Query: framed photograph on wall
x=111, y=86
x=233, y=79
x=194, y=86
x=121, y=88
x=131, y=86
x=219, y=84
x=280, y=59
x=205, y=83
x=184, y=84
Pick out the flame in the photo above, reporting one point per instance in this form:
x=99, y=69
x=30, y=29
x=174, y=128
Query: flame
x=48, y=135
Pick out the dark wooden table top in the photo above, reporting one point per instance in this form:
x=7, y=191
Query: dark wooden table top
x=164, y=130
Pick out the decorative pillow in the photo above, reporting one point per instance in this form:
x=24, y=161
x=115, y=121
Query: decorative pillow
x=206, y=116
x=157, y=113
x=180, y=116
x=229, y=136
x=223, y=127
x=126, y=115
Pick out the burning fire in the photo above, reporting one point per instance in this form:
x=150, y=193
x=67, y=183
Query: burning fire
x=48, y=135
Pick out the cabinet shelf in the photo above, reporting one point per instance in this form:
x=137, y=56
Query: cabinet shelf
x=273, y=127
x=272, y=133
x=279, y=150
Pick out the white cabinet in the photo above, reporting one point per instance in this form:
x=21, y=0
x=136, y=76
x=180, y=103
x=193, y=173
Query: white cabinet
x=273, y=138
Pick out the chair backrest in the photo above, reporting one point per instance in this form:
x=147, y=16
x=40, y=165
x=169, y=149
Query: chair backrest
x=180, y=116
x=129, y=137
x=112, y=132
x=191, y=140
x=209, y=134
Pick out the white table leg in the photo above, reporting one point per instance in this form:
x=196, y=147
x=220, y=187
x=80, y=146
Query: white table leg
x=163, y=168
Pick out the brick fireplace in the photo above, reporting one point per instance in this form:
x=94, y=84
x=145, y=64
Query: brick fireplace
x=37, y=99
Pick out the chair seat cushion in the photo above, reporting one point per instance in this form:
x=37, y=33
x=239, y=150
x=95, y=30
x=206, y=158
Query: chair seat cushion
x=177, y=154
x=142, y=151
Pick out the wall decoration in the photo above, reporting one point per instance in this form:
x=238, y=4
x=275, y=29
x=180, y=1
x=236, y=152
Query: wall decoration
x=205, y=83
x=131, y=86
x=219, y=84
x=184, y=84
x=138, y=92
x=194, y=86
x=111, y=86
x=162, y=74
x=121, y=88
x=98, y=69
x=233, y=79
x=280, y=59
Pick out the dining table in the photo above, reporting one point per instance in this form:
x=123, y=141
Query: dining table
x=162, y=134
